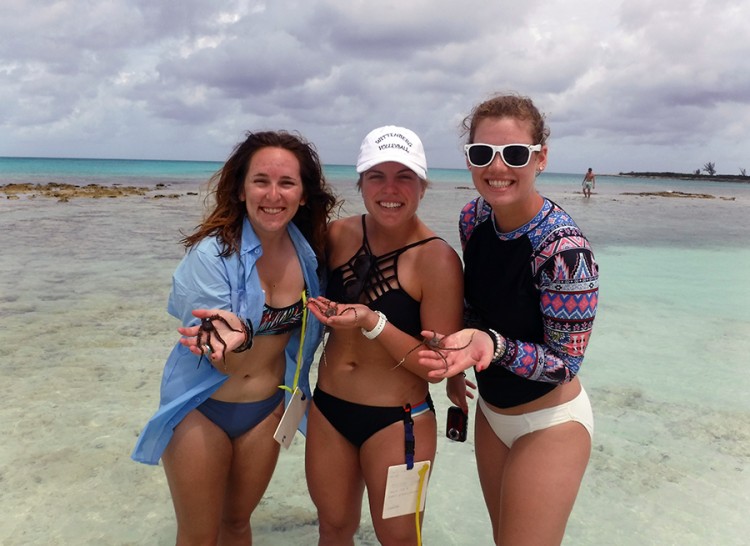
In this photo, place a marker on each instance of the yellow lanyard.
(422, 474)
(301, 345)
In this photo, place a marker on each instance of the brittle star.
(208, 327)
(332, 310)
(433, 344)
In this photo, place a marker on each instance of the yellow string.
(301, 344)
(422, 474)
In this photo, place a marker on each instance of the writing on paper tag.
(403, 487)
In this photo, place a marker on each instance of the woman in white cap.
(371, 408)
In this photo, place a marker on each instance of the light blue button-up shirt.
(204, 280)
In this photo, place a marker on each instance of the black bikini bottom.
(357, 422)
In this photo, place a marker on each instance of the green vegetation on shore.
(690, 176)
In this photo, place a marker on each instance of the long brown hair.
(225, 220)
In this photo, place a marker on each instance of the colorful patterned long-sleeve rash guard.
(537, 286)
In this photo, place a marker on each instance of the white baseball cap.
(392, 143)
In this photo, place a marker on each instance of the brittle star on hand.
(332, 310)
(210, 330)
(433, 344)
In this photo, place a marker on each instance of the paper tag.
(291, 419)
(402, 488)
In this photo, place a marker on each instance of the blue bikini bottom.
(236, 418)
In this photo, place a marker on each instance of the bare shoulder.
(344, 237)
(439, 248)
(341, 226)
(437, 256)
(344, 230)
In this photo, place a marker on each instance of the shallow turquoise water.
(83, 289)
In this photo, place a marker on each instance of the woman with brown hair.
(240, 292)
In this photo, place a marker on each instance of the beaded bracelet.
(498, 343)
(247, 327)
(379, 327)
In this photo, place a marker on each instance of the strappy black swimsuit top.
(276, 321)
(373, 280)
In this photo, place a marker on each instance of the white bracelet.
(379, 327)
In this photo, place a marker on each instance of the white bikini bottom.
(511, 427)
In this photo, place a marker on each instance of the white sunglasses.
(513, 155)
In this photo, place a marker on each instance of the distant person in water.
(589, 182)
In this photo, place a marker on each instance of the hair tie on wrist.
(247, 327)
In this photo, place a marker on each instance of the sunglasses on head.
(361, 268)
(513, 155)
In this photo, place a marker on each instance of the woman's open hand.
(219, 331)
(450, 355)
(340, 315)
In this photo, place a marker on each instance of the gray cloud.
(625, 84)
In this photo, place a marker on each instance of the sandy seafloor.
(83, 288)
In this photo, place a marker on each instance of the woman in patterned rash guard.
(531, 290)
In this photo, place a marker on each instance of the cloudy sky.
(625, 84)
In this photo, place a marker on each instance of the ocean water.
(83, 288)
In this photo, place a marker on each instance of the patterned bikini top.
(277, 321)
(373, 280)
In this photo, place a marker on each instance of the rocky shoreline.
(65, 192)
(672, 193)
